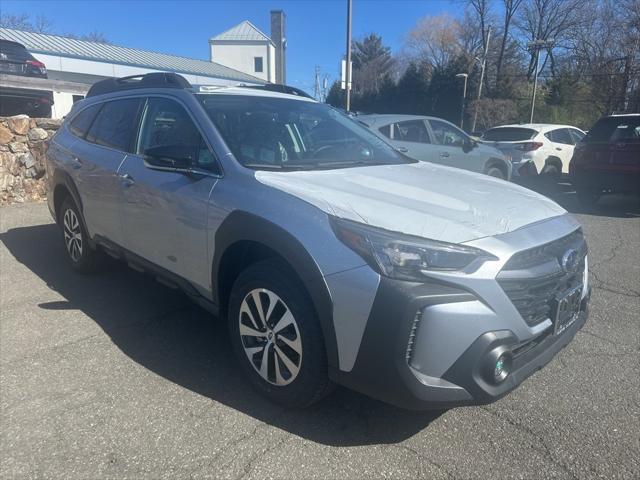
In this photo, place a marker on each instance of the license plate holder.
(567, 309)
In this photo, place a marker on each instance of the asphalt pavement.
(116, 376)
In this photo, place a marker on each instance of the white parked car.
(535, 148)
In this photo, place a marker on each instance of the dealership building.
(74, 65)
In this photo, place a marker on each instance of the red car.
(607, 160)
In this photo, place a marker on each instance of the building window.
(257, 64)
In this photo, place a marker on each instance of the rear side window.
(411, 131)
(577, 135)
(560, 135)
(115, 125)
(386, 131)
(509, 134)
(82, 122)
(614, 129)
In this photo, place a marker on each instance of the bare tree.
(435, 40)
(510, 8)
(22, 21)
(482, 10)
(550, 19)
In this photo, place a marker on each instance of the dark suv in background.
(16, 60)
(607, 160)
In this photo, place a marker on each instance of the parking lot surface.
(115, 375)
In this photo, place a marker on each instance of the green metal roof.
(103, 52)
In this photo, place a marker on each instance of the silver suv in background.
(332, 258)
(431, 139)
(535, 148)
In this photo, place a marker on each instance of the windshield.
(509, 134)
(279, 133)
(623, 129)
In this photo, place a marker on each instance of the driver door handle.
(76, 163)
(444, 154)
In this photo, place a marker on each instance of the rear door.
(449, 141)
(164, 213)
(562, 145)
(412, 138)
(97, 157)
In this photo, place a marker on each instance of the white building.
(84, 62)
(247, 49)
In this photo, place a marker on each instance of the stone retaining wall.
(23, 142)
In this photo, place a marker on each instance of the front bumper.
(389, 368)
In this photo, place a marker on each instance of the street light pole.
(536, 46)
(347, 76)
(464, 96)
(484, 64)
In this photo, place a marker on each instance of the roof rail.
(149, 80)
(278, 87)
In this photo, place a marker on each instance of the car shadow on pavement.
(560, 190)
(162, 330)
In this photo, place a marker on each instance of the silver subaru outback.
(334, 258)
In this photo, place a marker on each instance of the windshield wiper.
(293, 166)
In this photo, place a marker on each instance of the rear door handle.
(76, 163)
(444, 154)
(402, 149)
(127, 179)
(559, 149)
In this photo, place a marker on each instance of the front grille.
(533, 278)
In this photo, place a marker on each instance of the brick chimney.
(279, 40)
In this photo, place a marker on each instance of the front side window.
(446, 134)
(279, 133)
(411, 131)
(165, 123)
(257, 64)
(115, 124)
(80, 125)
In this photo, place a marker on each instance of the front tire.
(496, 173)
(276, 335)
(79, 253)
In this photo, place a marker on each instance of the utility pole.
(536, 46)
(484, 64)
(317, 93)
(347, 77)
(464, 96)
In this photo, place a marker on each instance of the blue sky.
(315, 28)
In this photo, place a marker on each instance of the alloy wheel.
(270, 337)
(72, 235)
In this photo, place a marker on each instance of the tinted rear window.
(115, 124)
(82, 122)
(14, 50)
(509, 134)
(615, 129)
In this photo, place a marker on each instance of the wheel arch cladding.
(64, 186)
(243, 238)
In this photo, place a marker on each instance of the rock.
(19, 124)
(37, 134)
(28, 161)
(48, 123)
(17, 147)
(5, 135)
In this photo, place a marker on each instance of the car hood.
(421, 199)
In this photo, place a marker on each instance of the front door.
(450, 141)
(164, 213)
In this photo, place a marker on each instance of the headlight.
(405, 257)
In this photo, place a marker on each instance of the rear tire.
(276, 335)
(79, 253)
(496, 173)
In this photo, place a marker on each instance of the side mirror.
(468, 145)
(171, 157)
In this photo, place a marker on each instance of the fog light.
(497, 365)
(501, 370)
